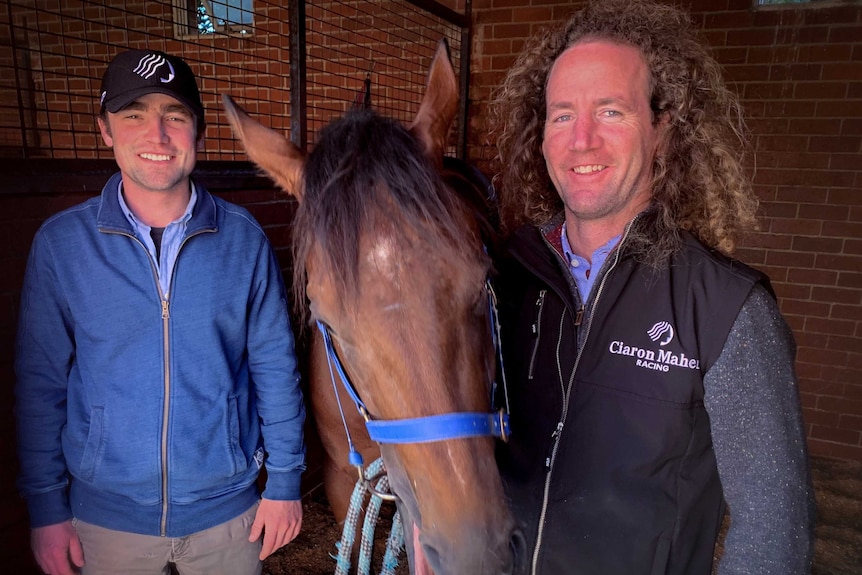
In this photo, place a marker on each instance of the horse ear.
(273, 153)
(439, 105)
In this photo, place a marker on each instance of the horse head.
(391, 259)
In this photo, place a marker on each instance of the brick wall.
(799, 74)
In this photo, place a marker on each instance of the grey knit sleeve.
(752, 399)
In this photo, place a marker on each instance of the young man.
(651, 377)
(155, 365)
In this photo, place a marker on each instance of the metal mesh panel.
(382, 48)
(54, 52)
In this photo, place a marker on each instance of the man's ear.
(105, 129)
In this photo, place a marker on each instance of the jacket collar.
(112, 219)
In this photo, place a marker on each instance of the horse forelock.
(365, 172)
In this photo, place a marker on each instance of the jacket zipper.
(558, 431)
(537, 331)
(166, 316)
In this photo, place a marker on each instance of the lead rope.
(395, 541)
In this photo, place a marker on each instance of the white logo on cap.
(150, 64)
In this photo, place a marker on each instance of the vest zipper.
(537, 331)
(558, 431)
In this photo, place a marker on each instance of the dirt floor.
(838, 547)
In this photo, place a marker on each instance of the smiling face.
(155, 143)
(599, 137)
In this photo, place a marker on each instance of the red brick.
(815, 244)
(842, 109)
(768, 126)
(812, 277)
(752, 257)
(842, 71)
(772, 54)
(776, 274)
(850, 280)
(804, 195)
(851, 126)
(853, 246)
(807, 401)
(767, 91)
(732, 55)
(840, 144)
(802, 35)
(845, 34)
(852, 422)
(807, 372)
(846, 196)
(821, 357)
(727, 20)
(796, 324)
(816, 126)
(847, 436)
(824, 53)
(851, 263)
(795, 226)
(785, 290)
(793, 160)
(830, 326)
(818, 417)
(800, 260)
(840, 405)
(769, 241)
(850, 344)
(847, 311)
(836, 450)
(836, 295)
(822, 389)
(815, 211)
(844, 161)
(780, 210)
(809, 339)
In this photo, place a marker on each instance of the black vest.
(633, 487)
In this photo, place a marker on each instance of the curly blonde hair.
(698, 180)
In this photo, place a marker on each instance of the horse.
(389, 256)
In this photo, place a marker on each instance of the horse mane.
(367, 171)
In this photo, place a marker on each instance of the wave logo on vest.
(655, 359)
(659, 330)
(150, 64)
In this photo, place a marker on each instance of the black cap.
(135, 73)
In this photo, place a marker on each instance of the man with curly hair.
(651, 376)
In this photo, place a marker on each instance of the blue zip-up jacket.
(148, 413)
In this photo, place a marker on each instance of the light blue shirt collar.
(171, 239)
(585, 271)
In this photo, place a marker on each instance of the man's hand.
(279, 521)
(57, 548)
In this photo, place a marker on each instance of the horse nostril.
(518, 545)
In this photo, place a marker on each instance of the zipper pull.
(166, 314)
(579, 315)
(558, 430)
(555, 435)
(539, 302)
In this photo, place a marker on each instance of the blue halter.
(421, 429)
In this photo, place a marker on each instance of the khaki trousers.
(220, 550)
